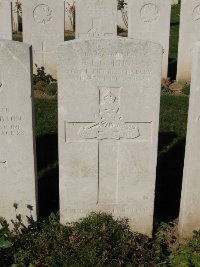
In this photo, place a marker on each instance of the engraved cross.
(108, 130)
(95, 31)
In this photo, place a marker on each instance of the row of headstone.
(96, 18)
(109, 97)
(43, 25)
(109, 91)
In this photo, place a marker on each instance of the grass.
(46, 116)
(173, 116)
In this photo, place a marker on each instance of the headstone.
(123, 16)
(43, 27)
(69, 15)
(17, 168)
(5, 20)
(174, 2)
(150, 20)
(188, 34)
(14, 16)
(109, 94)
(189, 219)
(96, 18)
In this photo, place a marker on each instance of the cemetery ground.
(99, 240)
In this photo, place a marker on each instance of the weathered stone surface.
(96, 18)
(150, 20)
(109, 94)
(5, 19)
(189, 219)
(17, 168)
(188, 34)
(43, 27)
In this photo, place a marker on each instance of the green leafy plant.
(4, 235)
(186, 89)
(187, 255)
(41, 86)
(121, 4)
(97, 240)
(42, 76)
(52, 89)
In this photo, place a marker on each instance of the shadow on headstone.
(48, 182)
(169, 181)
(172, 68)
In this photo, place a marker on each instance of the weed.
(42, 76)
(186, 89)
(52, 89)
(97, 240)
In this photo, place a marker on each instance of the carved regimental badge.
(150, 13)
(109, 124)
(3, 164)
(43, 14)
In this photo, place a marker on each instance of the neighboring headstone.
(96, 18)
(122, 20)
(150, 20)
(189, 33)
(174, 2)
(69, 15)
(14, 16)
(5, 20)
(43, 27)
(189, 219)
(109, 97)
(17, 164)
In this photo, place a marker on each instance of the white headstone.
(17, 168)
(123, 16)
(69, 18)
(109, 94)
(150, 20)
(14, 16)
(43, 27)
(189, 219)
(5, 19)
(174, 2)
(96, 18)
(189, 33)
